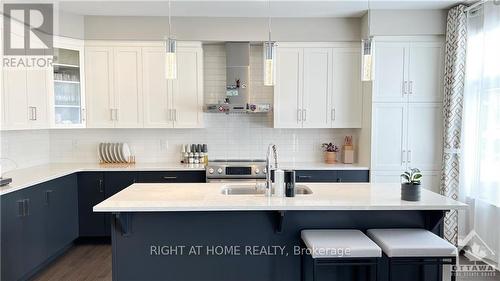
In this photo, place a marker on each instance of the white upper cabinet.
(187, 89)
(390, 75)
(156, 89)
(15, 99)
(67, 84)
(408, 71)
(37, 89)
(347, 97)
(288, 88)
(425, 74)
(389, 136)
(127, 87)
(317, 86)
(100, 92)
(425, 136)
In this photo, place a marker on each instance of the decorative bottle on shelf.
(183, 153)
(205, 152)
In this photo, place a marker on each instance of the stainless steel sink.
(253, 189)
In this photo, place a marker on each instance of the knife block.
(348, 154)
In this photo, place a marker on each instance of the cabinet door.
(13, 254)
(187, 89)
(347, 93)
(157, 104)
(61, 199)
(390, 71)
(90, 193)
(128, 87)
(37, 93)
(288, 88)
(426, 71)
(353, 176)
(15, 103)
(389, 136)
(99, 86)
(425, 136)
(34, 227)
(316, 176)
(317, 88)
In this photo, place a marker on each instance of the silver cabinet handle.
(299, 115)
(405, 86)
(117, 115)
(47, 197)
(170, 178)
(403, 154)
(36, 114)
(26, 204)
(333, 114)
(101, 187)
(84, 114)
(411, 87)
(175, 115)
(408, 157)
(111, 114)
(20, 208)
(304, 112)
(31, 113)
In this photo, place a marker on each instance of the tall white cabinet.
(407, 119)
(317, 86)
(127, 87)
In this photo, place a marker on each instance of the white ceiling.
(253, 8)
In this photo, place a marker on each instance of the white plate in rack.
(126, 152)
(120, 153)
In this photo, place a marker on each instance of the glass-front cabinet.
(68, 99)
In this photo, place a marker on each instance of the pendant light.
(269, 54)
(367, 53)
(171, 50)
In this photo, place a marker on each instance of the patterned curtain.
(454, 80)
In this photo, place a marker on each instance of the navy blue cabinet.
(331, 175)
(171, 176)
(36, 225)
(115, 182)
(90, 193)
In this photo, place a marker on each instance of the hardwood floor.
(92, 262)
(81, 263)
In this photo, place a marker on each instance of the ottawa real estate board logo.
(28, 35)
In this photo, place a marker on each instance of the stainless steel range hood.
(237, 98)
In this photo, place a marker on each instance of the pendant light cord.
(369, 20)
(269, 19)
(169, 20)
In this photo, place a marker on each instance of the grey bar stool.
(338, 248)
(417, 247)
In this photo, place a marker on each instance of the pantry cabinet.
(408, 71)
(127, 87)
(407, 118)
(318, 85)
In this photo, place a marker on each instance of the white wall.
(404, 22)
(222, 29)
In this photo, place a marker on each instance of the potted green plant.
(330, 152)
(410, 185)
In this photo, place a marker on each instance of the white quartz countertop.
(173, 197)
(22, 178)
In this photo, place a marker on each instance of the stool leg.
(389, 273)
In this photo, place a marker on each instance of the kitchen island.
(196, 232)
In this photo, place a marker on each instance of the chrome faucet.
(269, 184)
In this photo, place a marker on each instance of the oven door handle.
(235, 180)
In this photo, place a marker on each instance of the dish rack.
(117, 153)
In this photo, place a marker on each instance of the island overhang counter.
(195, 232)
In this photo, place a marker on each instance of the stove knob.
(265, 171)
(219, 170)
(210, 170)
(257, 170)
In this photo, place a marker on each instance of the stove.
(227, 170)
